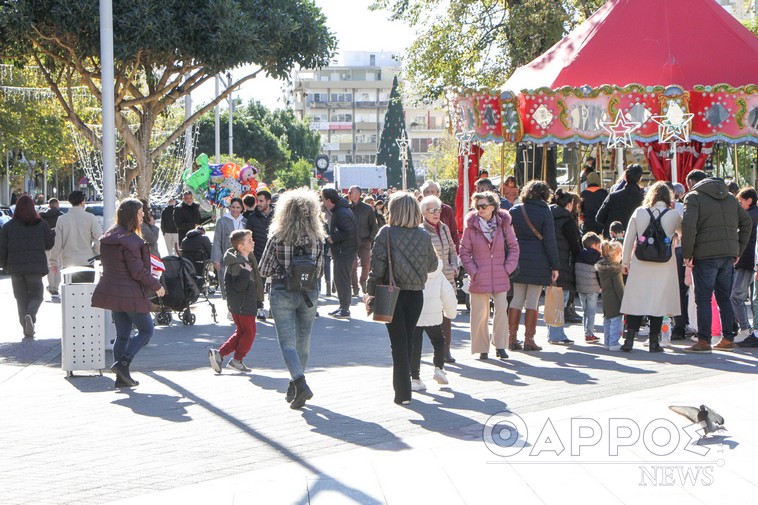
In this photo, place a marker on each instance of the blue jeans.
(556, 333)
(589, 309)
(293, 320)
(126, 346)
(713, 275)
(612, 330)
(740, 292)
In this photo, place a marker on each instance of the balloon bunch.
(218, 184)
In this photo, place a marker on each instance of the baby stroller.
(204, 268)
(183, 288)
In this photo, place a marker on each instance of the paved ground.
(188, 434)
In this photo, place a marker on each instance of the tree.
(163, 51)
(389, 151)
(299, 175)
(483, 41)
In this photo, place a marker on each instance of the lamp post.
(402, 144)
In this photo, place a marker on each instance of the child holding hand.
(612, 284)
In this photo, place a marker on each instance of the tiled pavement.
(187, 435)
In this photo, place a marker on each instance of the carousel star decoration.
(675, 125)
(620, 131)
(465, 141)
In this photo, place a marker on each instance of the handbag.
(554, 313)
(385, 295)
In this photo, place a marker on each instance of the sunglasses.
(482, 205)
(435, 210)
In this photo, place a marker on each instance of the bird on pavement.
(706, 417)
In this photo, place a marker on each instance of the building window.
(348, 158)
(372, 60)
(420, 145)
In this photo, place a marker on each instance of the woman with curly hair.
(297, 224)
(23, 242)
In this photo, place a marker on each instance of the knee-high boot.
(530, 323)
(514, 317)
(628, 340)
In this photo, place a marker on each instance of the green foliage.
(299, 175)
(483, 41)
(448, 189)
(163, 51)
(273, 138)
(389, 151)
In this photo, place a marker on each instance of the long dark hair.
(25, 211)
(127, 213)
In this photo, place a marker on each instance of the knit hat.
(593, 179)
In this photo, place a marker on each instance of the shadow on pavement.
(167, 407)
(26, 351)
(350, 429)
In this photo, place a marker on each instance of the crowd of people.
(515, 242)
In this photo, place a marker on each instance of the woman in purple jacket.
(125, 285)
(489, 253)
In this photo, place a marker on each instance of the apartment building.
(346, 102)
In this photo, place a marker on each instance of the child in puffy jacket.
(587, 282)
(439, 298)
(612, 283)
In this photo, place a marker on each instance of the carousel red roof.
(648, 42)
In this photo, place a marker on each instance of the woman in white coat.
(225, 225)
(652, 289)
(439, 299)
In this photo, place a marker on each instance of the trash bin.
(82, 343)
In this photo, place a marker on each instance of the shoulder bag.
(385, 295)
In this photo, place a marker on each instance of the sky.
(357, 29)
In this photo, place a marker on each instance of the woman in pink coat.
(489, 252)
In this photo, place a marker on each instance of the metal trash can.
(82, 343)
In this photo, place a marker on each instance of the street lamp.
(402, 144)
(465, 142)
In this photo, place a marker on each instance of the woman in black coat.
(23, 242)
(538, 261)
(569, 245)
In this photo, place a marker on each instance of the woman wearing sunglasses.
(489, 253)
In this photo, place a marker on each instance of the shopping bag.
(553, 306)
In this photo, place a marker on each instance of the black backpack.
(302, 272)
(653, 245)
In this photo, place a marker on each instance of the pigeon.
(706, 417)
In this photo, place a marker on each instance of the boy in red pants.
(243, 290)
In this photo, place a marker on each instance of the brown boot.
(514, 316)
(530, 322)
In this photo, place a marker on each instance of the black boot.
(302, 393)
(121, 369)
(655, 343)
(628, 341)
(290, 392)
(570, 315)
(121, 384)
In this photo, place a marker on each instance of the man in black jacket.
(168, 227)
(186, 215)
(365, 220)
(258, 222)
(621, 204)
(343, 244)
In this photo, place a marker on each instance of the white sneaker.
(417, 385)
(215, 358)
(440, 376)
(743, 334)
(237, 365)
(616, 347)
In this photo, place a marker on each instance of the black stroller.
(183, 288)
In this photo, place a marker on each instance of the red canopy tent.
(636, 57)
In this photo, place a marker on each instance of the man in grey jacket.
(77, 238)
(365, 221)
(715, 231)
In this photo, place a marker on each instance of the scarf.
(488, 227)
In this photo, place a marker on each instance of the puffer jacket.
(343, 230)
(259, 223)
(537, 258)
(714, 225)
(126, 280)
(612, 283)
(443, 243)
(22, 248)
(747, 258)
(243, 288)
(569, 244)
(586, 275)
(439, 298)
(413, 257)
(487, 266)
